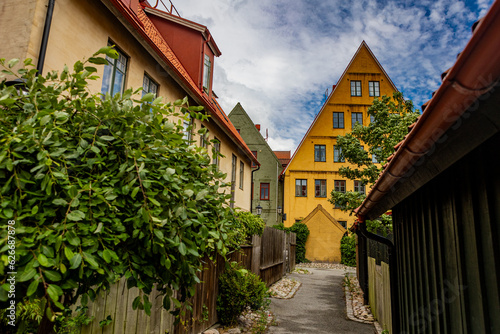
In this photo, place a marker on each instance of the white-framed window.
(207, 68)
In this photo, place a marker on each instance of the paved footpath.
(318, 307)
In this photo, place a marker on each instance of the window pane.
(264, 191)
(374, 88)
(337, 154)
(319, 153)
(338, 120)
(118, 85)
(355, 88)
(356, 117)
(300, 188)
(206, 72)
(106, 78)
(320, 188)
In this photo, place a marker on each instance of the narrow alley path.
(318, 307)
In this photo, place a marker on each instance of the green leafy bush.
(302, 232)
(348, 250)
(102, 187)
(248, 225)
(239, 289)
(381, 226)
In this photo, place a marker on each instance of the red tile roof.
(139, 20)
(283, 157)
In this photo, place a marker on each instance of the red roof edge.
(474, 73)
(150, 35)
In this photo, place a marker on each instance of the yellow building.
(159, 51)
(312, 173)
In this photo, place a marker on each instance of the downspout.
(251, 196)
(361, 230)
(45, 37)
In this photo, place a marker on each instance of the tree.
(390, 120)
(102, 187)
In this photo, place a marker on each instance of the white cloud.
(279, 56)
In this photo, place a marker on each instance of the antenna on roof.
(267, 134)
(326, 93)
(172, 7)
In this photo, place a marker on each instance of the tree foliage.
(102, 187)
(391, 118)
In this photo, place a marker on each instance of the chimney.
(257, 126)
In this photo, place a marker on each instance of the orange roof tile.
(140, 21)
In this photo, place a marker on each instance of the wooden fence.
(269, 256)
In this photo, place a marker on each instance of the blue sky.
(279, 57)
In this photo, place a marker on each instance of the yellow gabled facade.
(312, 173)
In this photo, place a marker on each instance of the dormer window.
(207, 65)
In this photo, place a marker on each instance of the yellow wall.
(323, 233)
(363, 67)
(80, 28)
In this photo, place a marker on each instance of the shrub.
(100, 187)
(302, 232)
(239, 289)
(248, 225)
(348, 250)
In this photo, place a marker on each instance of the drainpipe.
(251, 197)
(361, 230)
(45, 37)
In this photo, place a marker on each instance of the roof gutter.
(45, 37)
(475, 72)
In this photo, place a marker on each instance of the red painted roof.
(140, 21)
(283, 157)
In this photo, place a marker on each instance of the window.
(148, 85)
(320, 188)
(319, 153)
(187, 125)
(113, 79)
(339, 186)
(255, 155)
(204, 138)
(338, 120)
(356, 117)
(242, 172)
(337, 154)
(216, 153)
(300, 188)
(207, 66)
(343, 223)
(355, 88)
(264, 191)
(372, 119)
(374, 88)
(359, 187)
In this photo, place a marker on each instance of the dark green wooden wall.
(447, 237)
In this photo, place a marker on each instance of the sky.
(280, 57)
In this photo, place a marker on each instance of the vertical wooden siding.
(264, 257)
(447, 239)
